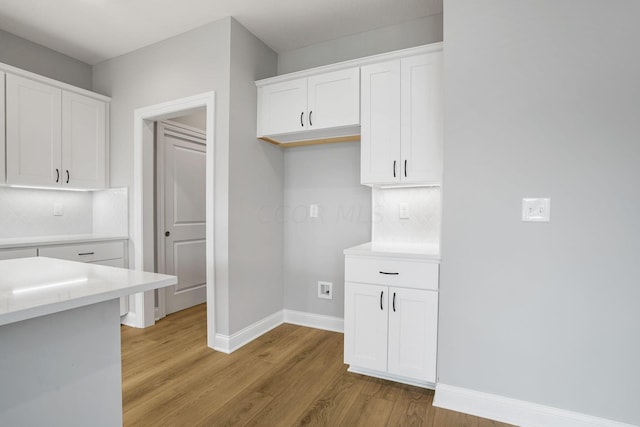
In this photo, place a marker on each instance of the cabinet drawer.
(18, 253)
(87, 252)
(392, 272)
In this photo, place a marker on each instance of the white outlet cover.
(536, 210)
(58, 209)
(313, 211)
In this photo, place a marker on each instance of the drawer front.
(86, 252)
(392, 272)
(18, 253)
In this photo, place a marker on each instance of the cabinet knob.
(394, 302)
(301, 116)
(381, 293)
(405, 168)
(57, 175)
(394, 168)
(310, 122)
(67, 176)
(167, 233)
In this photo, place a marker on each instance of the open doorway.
(143, 230)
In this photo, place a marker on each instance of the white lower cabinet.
(391, 331)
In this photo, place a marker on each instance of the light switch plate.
(536, 210)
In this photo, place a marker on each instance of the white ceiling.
(95, 30)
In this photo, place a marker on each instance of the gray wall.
(191, 63)
(542, 100)
(38, 59)
(329, 175)
(414, 33)
(256, 187)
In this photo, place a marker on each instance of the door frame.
(143, 227)
(195, 136)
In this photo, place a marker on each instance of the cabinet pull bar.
(57, 175)
(301, 116)
(67, 176)
(405, 168)
(386, 272)
(86, 253)
(381, 292)
(394, 168)
(394, 301)
(310, 122)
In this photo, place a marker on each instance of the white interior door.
(181, 215)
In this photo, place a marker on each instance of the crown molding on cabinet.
(51, 82)
(433, 47)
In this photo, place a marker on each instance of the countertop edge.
(365, 250)
(56, 307)
(29, 242)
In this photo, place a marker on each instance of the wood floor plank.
(291, 376)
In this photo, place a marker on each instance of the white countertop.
(21, 242)
(424, 252)
(33, 287)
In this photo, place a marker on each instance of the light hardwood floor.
(291, 376)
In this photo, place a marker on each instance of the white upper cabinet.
(83, 141)
(34, 137)
(334, 99)
(310, 107)
(2, 131)
(421, 119)
(54, 137)
(380, 148)
(402, 121)
(282, 107)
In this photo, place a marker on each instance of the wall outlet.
(536, 210)
(313, 211)
(403, 210)
(325, 290)
(58, 209)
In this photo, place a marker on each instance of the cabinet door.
(2, 131)
(83, 141)
(421, 121)
(334, 99)
(282, 107)
(413, 328)
(365, 325)
(33, 112)
(380, 119)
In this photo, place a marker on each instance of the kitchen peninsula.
(60, 340)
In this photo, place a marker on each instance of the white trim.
(143, 304)
(129, 319)
(359, 62)
(311, 320)
(230, 343)
(391, 377)
(513, 411)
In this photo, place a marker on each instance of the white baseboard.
(230, 343)
(311, 320)
(513, 411)
(129, 319)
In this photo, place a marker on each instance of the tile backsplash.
(29, 212)
(423, 208)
